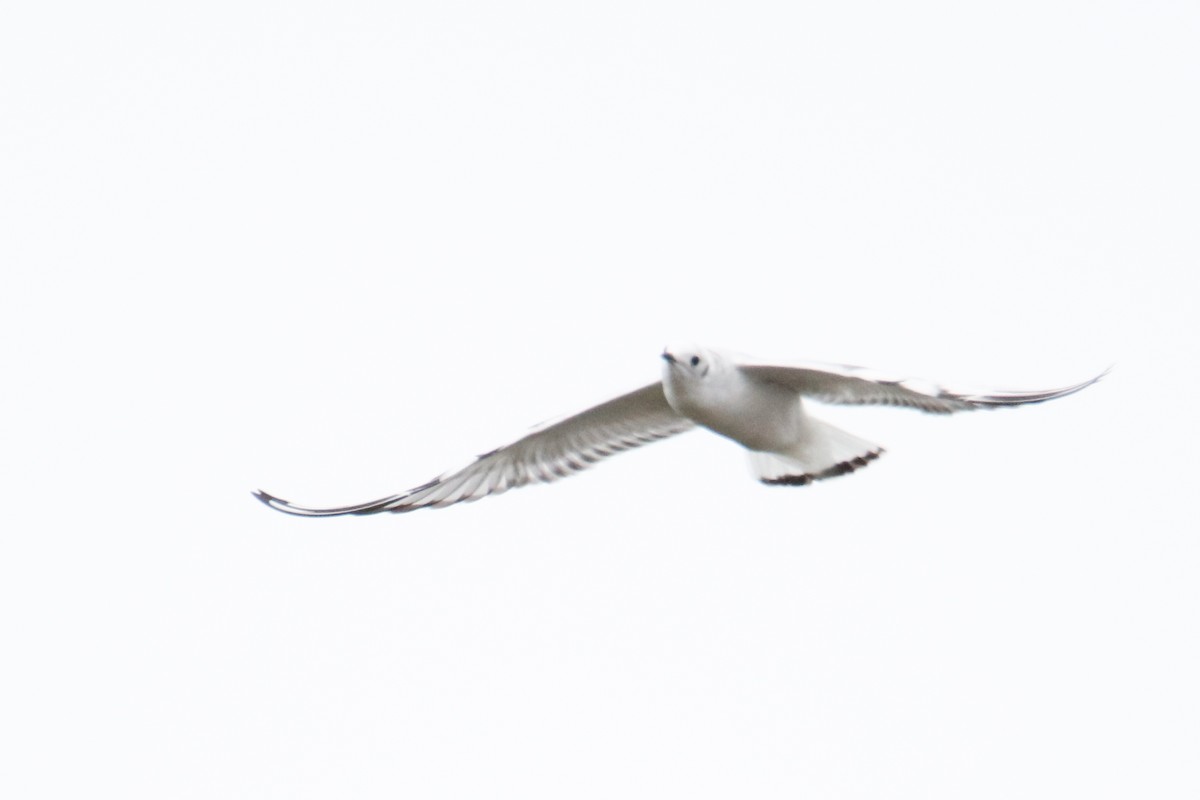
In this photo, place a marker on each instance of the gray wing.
(846, 385)
(550, 451)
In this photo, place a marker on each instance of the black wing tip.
(267, 499)
(279, 504)
(284, 506)
(1030, 398)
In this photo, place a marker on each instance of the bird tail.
(826, 452)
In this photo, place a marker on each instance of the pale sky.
(332, 249)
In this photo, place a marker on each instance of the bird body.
(759, 405)
(757, 415)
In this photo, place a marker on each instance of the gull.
(759, 405)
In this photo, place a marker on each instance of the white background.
(332, 249)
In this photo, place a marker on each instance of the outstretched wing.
(550, 451)
(836, 383)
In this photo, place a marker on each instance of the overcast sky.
(333, 249)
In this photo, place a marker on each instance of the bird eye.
(695, 360)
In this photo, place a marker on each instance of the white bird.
(758, 405)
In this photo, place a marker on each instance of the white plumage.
(757, 404)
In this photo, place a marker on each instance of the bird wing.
(550, 451)
(846, 385)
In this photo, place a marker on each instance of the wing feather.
(847, 385)
(549, 452)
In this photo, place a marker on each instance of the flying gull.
(757, 404)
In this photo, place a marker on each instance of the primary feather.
(845, 385)
(549, 452)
